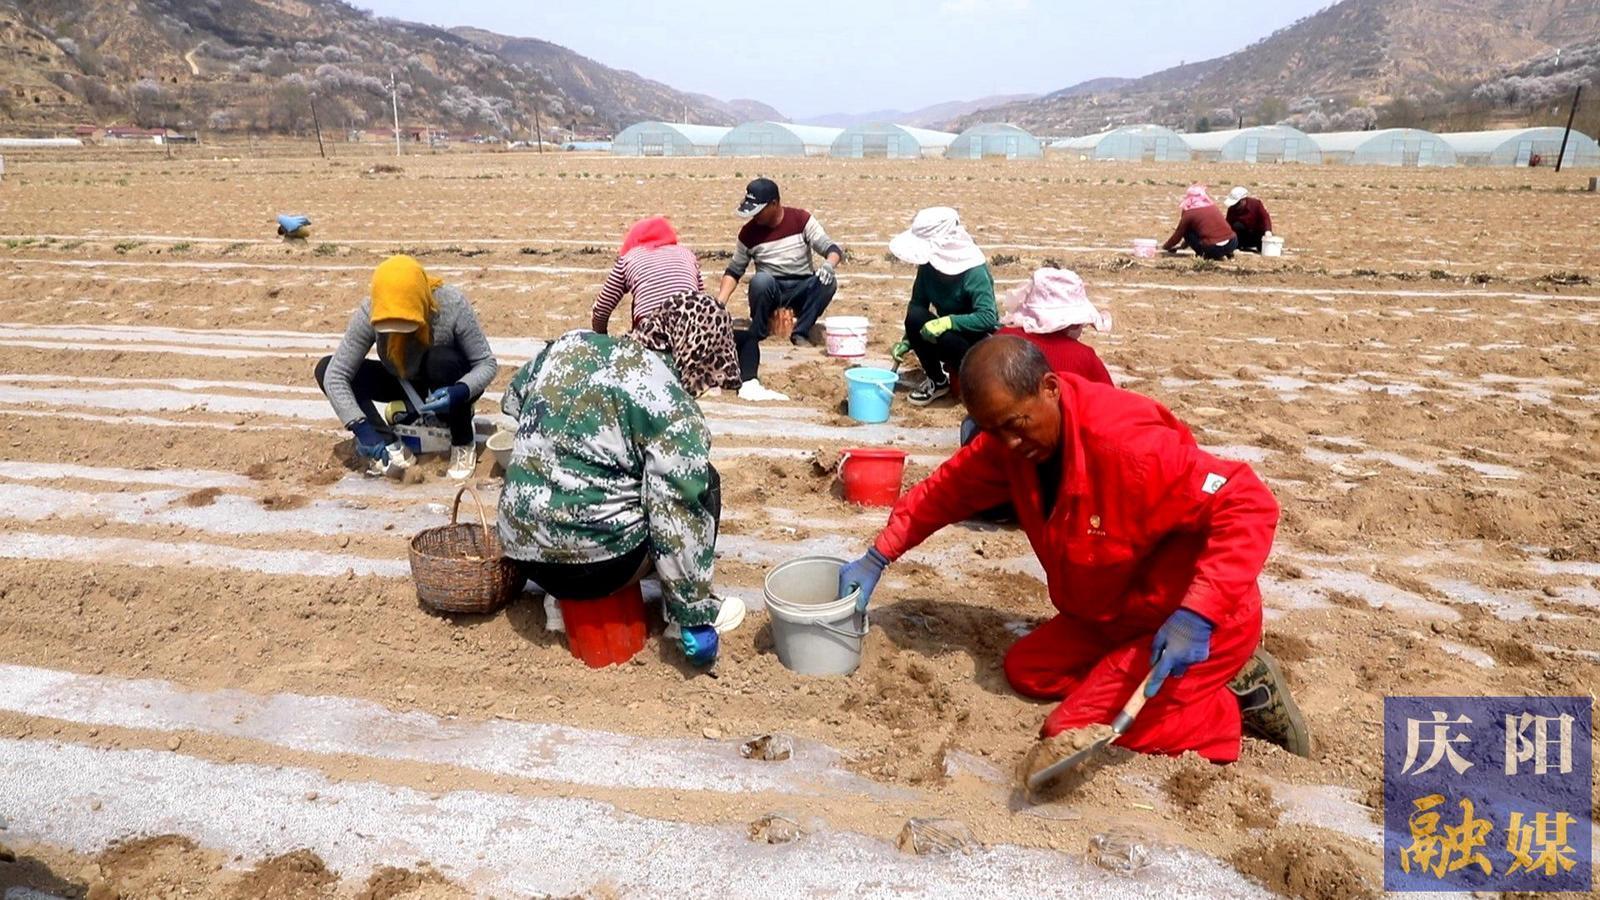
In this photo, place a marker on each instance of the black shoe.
(1269, 712)
(800, 340)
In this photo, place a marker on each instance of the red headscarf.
(649, 233)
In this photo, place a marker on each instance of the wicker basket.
(460, 568)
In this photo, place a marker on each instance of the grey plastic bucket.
(814, 630)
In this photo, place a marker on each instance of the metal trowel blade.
(1058, 768)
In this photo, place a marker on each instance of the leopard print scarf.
(698, 332)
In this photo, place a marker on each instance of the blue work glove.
(699, 644)
(1183, 640)
(446, 398)
(369, 441)
(863, 574)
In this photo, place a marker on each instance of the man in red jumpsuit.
(1151, 549)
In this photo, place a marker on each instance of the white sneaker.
(552, 615)
(755, 392)
(928, 391)
(463, 462)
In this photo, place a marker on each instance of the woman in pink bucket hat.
(1050, 310)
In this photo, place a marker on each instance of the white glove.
(825, 274)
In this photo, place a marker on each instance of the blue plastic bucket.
(871, 390)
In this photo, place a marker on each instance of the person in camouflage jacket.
(611, 464)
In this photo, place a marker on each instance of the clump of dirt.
(165, 865)
(387, 882)
(1209, 793)
(292, 875)
(261, 471)
(1287, 647)
(1052, 750)
(280, 502)
(413, 475)
(202, 497)
(1310, 864)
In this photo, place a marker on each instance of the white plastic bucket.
(499, 444)
(1272, 246)
(1144, 248)
(814, 630)
(846, 336)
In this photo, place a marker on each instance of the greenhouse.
(1263, 144)
(1149, 143)
(668, 139)
(880, 140)
(995, 140)
(778, 139)
(1386, 147)
(1520, 146)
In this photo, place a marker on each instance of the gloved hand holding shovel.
(898, 353)
(1182, 641)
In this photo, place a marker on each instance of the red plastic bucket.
(608, 630)
(872, 476)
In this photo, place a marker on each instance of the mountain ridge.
(1344, 63)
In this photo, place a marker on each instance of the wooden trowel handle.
(1130, 710)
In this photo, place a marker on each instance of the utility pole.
(394, 98)
(1571, 114)
(317, 124)
(538, 132)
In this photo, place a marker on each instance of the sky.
(809, 57)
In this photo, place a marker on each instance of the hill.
(1342, 64)
(939, 115)
(256, 64)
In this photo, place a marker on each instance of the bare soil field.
(216, 680)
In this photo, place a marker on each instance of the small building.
(132, 135)
(764, 139)
(1262, 144)
(995, 140)
(668, 139)
(1386, 147)
(1130, 143)
(1522, 147)
(884, 140)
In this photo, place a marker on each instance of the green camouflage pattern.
(610, 452)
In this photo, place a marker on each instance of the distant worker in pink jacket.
(1202, 227)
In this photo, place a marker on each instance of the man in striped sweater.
(780, 241)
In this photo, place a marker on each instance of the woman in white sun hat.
(952, 300)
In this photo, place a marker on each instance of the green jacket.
(968, 299)
(611, 452)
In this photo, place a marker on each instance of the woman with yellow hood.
(429, 345)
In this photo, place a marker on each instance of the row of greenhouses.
(879, 140)
(1384, 147)
(1151, 143)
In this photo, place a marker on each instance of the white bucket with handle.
(1272, 245)
(814, 630)
(1145, 248)
(846, 336)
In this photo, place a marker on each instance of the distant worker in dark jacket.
(1202, 227)
(1249, 219)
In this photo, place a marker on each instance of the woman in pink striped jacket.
(653, 267)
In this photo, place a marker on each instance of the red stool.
(608, 630)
